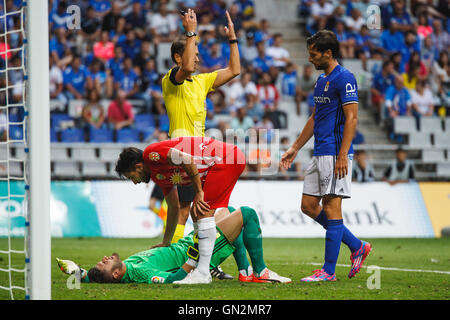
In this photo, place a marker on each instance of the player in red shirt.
(212, 167)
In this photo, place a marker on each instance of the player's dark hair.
(99, 276)
(128, 159)
(324, 40)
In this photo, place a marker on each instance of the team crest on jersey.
(326, 86)
(154, 156)
(160, 176)
(157, 279)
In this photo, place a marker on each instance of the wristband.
(233, 41)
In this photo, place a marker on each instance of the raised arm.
(189, 21)
(234, 67)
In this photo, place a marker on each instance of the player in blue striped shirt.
(328, 176)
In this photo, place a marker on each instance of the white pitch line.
(387, 268)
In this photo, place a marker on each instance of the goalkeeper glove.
(70, 267)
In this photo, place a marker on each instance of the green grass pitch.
(289, 257)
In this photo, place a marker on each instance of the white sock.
(206, 240)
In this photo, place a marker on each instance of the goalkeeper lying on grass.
(237, 233)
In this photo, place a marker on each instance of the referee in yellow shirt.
(184, 95)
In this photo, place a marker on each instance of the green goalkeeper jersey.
(162, 265)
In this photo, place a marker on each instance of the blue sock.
(352, 242)
(333, 244)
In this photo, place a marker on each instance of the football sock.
(179, 233)
(333, 244)
(252, 238)
(352, 242)
(206, 240)
(240, 254)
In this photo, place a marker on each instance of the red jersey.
(209, 155)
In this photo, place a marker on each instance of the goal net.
(19, 136)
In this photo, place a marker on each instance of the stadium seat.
(15, 169)
(53, 135)
(101, 135)
(66, 169)
(58, 153)
(83, 153)
(430, 125)
(443, 169)
(60, 120)
(433, 156)
(94, 169)
(164, 122)
(127, 135)
(447, 124)
(110, 152)
(15, 132)
(354, 65)
(442, 139)
(163, 59)
(19, 152)
(72, 135)
(417, 139)
(145, 124)
(404, 125)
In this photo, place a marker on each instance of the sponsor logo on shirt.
(160, 176)
(322, 99)
(350, 91)
(157, 279)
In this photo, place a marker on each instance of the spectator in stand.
(249, 51)
(132, 45)
(120, 112)
(115, 64)
(392, 40)
(206, 23)
(110, 20)
(154, 91)
(75, 80)
(246, 9)
(93, 114)
(58, 45)
(380, 83)
(163, 25)
(401, 170)
(99, 80)
(262, 62)
(428, 53)
(440, 68)
(242, 121)
(149, 75)
(289, 80)
(363, 42)
(320, 13)
(423, 29)
(126, 79)
(104, 49)
(440, 37)
(422, 102)
(305, 86)
(241, 92)
(117, 35)
(144, 55)
(396, 58)
(411, 46)
(136, 19)
(355, 21)
(398, 103)
(362, 170)
(401, 17)
(358, 138)
(411, 77)
(346, 41)
(263, 34)
(214, 60)
(56, 82)
(90, 25)
(101, 7)
(279, 54)
(59, 17)
(268, 94)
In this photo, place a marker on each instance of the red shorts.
(221, 179)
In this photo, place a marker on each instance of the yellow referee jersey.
(185, 103)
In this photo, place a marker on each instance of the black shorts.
(157, 193)
(186, 193)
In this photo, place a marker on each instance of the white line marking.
(387, 268)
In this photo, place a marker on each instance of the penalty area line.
(387, 268)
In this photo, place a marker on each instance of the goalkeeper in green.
(237, 233)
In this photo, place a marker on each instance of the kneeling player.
(237, 231)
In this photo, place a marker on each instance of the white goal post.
(38, 101)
